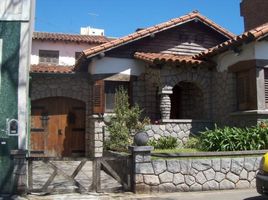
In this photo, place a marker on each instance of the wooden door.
(57, 127)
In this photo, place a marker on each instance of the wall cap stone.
(140, 148)
(210, 154)
(185, 121)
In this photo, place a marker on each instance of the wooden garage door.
(57, 127)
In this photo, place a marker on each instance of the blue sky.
(121, 17)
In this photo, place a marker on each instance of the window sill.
(250, 112)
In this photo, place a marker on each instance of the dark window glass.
(48, 57)
(110, 89)
(77, 54)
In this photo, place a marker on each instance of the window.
(48, 57)
(104, 95)
(266, 87)
(77, 54)
(246, 90)
(109, 93)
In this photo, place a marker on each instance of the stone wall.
(73, 86)
(180, 175)
(223, 97)
(200, 76)
(180, 129)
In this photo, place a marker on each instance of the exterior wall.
(261, 47)
(109, 65)
(72, 86)
(180, 129)
(229, 58)
(183, 175)
(66, 50)
(145, 92)
(16, 21)
(223, 97)
(189, 38)
(224, 86)
(252, 18)
(201, 76)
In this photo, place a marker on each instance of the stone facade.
(183, 175)
(180, 129)
(73, 86)
(223, 97)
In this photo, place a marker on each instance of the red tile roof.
(254, 34)
(70, 37)
(55, 69)
(157, 58)
(151, 30)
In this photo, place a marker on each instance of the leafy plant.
(235, 139)
(164, 143)
(193, 142)
(124, 123)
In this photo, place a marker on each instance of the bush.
(125, 122)
(164, 143)
(235, 139)
(193, 143)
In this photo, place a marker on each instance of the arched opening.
(58, 127)
(187, 101)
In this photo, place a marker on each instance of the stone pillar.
(19, 175)
(165, 102)
(96, 125)
(141, 162)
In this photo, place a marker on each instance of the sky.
(121, 17)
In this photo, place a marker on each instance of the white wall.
(261, 50)
(229, 58)
(66, 50)
(109, 65)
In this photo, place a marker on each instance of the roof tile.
(57, 69)
(251, 35)
(70, 37)
(154, 29)
(154, 58)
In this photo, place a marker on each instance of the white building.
(61, 49)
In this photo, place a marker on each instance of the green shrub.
(164, 143)
(125, 122)
(234, 139)
(193, 142)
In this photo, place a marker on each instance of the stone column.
(141, 163)
(165, 102)
(19, 175)
(96, 125)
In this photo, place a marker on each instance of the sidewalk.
(249, 194)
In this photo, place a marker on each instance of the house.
(16, 25)
(188, 73)
(149, 62)
(59, 96)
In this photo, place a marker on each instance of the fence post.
(141, 161)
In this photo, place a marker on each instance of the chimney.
(255, 13)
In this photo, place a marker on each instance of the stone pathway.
(41, 173)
